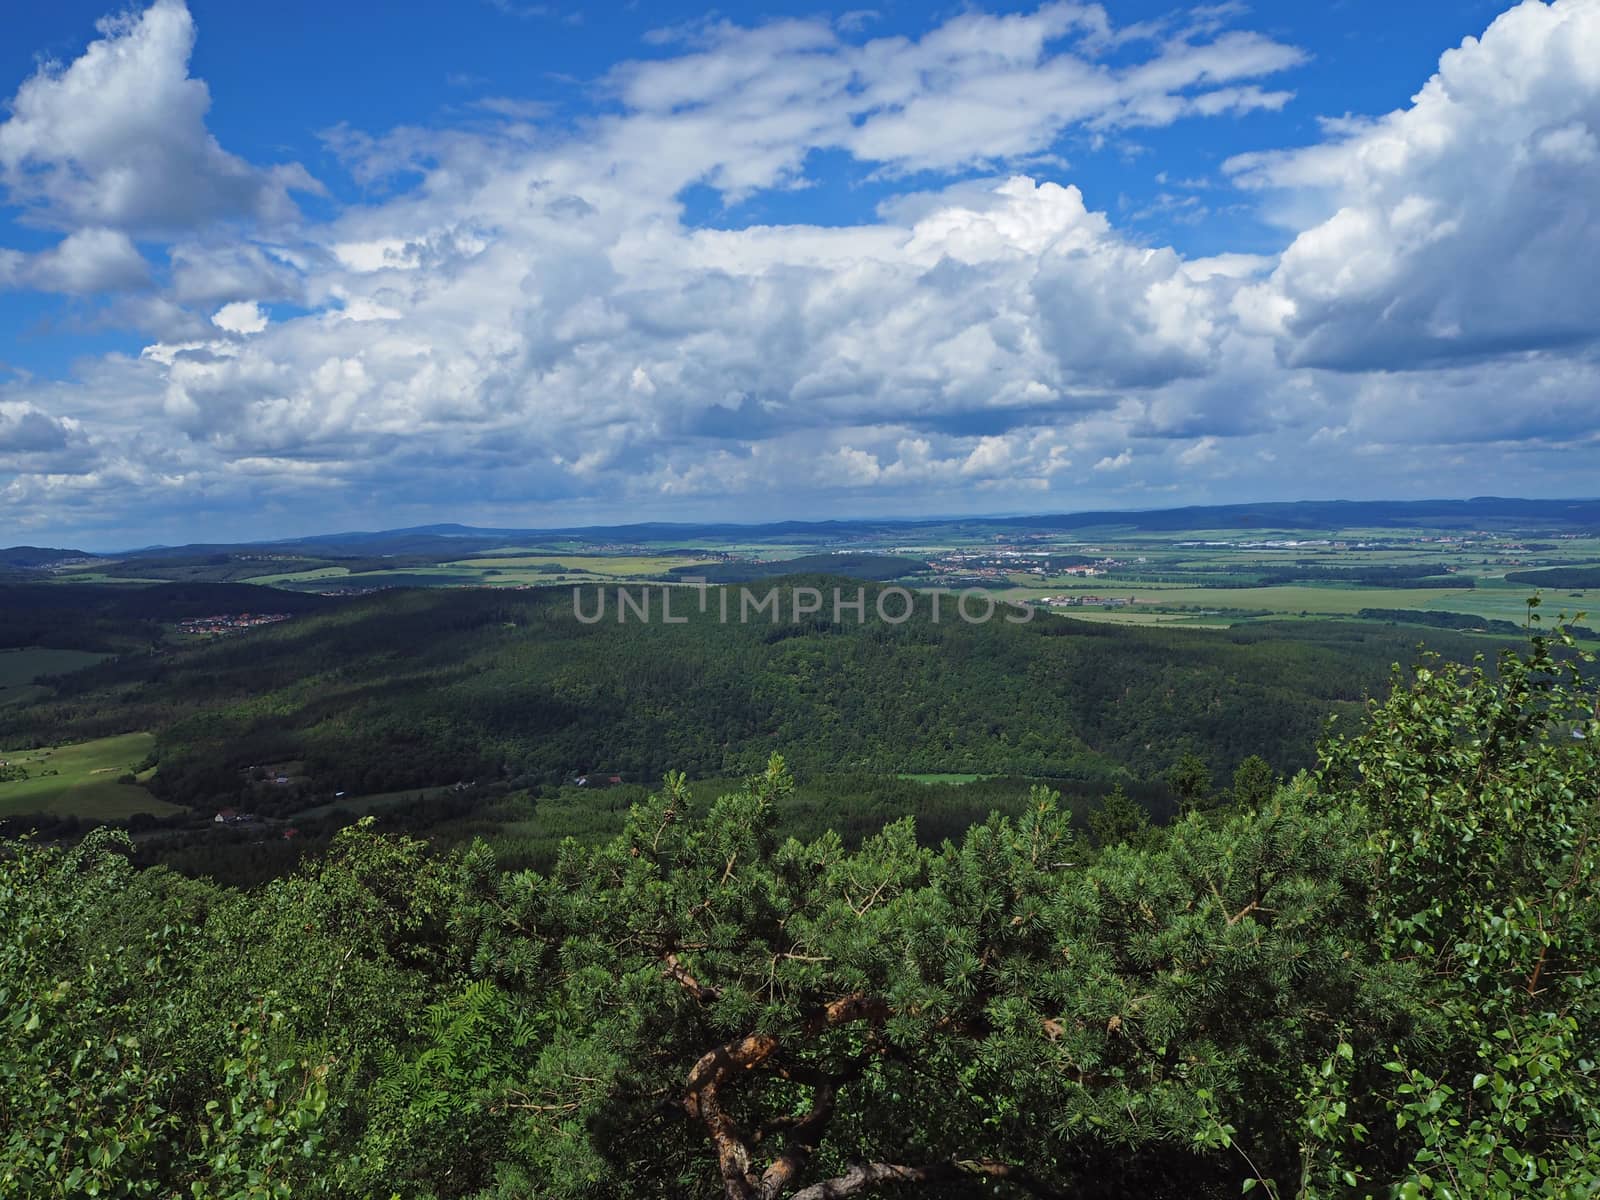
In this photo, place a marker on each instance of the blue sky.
(525, 264)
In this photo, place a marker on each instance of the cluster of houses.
(234, 818)
(1000, 565)
(229, 622)
(1077, 601)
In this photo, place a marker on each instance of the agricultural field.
(525, 569)
(1289, 600)
(316, 574)
(80, 780)
(1204, 619)
(645, 566)
(92, 576)
(1166, 572)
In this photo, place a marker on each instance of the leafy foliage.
(1484, 825)
(1374, 980)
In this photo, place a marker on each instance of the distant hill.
(1484, 512)
(115, 617)
(392, 549)
(444, 541)
(160, 601)
(35, 557)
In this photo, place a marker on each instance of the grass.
(81, 780)
(587, 564)
(1335, 601)
(938, 777)
(1125, 616)
(1509, 602)
(75, 576)
(310, 576)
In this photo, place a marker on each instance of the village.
(1087, 601)
(999, 565)
(229, 622)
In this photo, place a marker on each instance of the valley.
(459, 695)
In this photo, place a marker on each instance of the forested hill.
(411, 688)
(113, 617)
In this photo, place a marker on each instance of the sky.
(326, 267)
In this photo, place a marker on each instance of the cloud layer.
(525, 325)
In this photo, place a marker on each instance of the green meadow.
(299, 576)
(1332, 601)
(630, 566)
(81, 780)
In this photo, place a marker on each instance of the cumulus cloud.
(1460, 226)
(117, 138)
(1115, 462)
(242, 316)
(529, 324)
(85, 262)
(26, 430)
(204, 274)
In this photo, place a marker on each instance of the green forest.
(1381, 978)
(412, 689)
(464, 713)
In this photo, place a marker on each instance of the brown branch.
(1253, 906)
(846, 1010)
(761, 1052)
(807, 1131)
(865, 1176)
(802, 1144)
(667, 817)
(674, 969)
(1538, 968)
(701, 1100)
(870, 900)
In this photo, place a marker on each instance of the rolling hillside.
(410, 689)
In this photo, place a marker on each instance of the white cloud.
(743, 108)
(382, 254)
(204, 274)
(118, 138)
(526, 323)
(25, 429)
(1461, 226)
(1115, 462)
(1201, 452)
(242, 316)
(85, 262)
